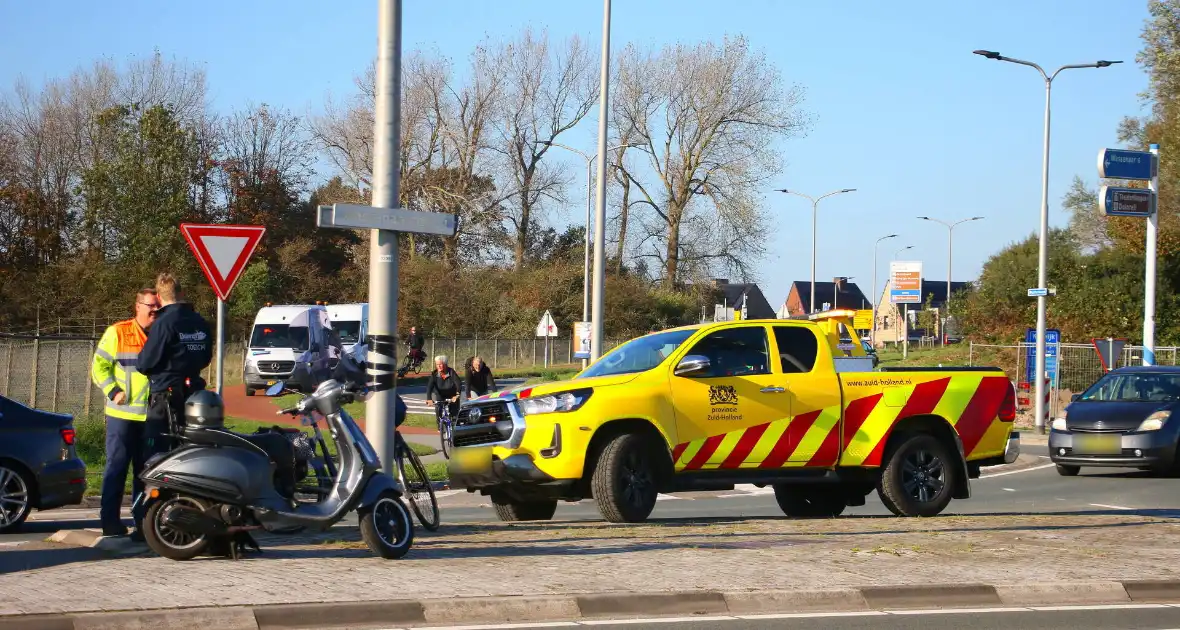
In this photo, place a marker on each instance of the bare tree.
(548, 91)
(708, 117)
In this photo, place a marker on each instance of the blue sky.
(903, 111)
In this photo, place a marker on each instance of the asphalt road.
(1037, 490)
(1148, 617)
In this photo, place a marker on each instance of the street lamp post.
(950, 228)
(905, 348)
(814, 210)
(1043, 250)
(589, 205)
(876, 296)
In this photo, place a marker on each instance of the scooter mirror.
(275, 390)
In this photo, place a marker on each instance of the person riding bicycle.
(443, 387)
(416, 342)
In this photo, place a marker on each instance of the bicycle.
(412, 362)
(416, 483)
(445, 433)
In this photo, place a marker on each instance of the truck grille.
(275, 367)
(482, 424)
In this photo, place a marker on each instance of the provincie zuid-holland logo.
(723, 403)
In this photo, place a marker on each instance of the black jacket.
(179, 345)
(481, 382)
(445, 385)
(415, 341)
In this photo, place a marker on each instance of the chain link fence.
(1078, 366)
(54, 373)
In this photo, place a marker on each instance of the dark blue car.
(39, 466)
(1123, 420)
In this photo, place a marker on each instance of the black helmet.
(204, 409)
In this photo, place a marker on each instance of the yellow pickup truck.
(778, 403)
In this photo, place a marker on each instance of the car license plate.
(1097, 444)
(269, 383)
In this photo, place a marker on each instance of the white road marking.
(1017, 472)
(1110, 507)
(669, 497)
(507, 626)
(750, 488)
(854, 613)
(952, 611)
(651, 620)
(1096, 607)
(1009, 489)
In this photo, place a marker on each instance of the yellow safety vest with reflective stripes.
(113, 370)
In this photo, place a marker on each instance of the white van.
(289, 344)
(351, 323)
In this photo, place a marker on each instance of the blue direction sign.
(1038, 292)
(1052, 340)
(1122, 164)
(1126, 202)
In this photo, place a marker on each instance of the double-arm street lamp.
(1043, 251)
(589, 206)
(950, 229)
(814, 210)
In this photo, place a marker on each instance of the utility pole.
(876, 296)
(380, 410)
(599, 303)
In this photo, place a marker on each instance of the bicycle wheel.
(444, 435)
(418, 487)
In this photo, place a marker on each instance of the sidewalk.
(562, 568)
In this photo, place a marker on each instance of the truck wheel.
(1065, 470)
(511, 511)
(799, 502)
(624, 481)
(919, 478)
(249, 391)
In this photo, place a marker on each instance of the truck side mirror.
(693, 365)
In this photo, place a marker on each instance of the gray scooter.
(208, 495)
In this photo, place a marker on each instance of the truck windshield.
(638, 355)
(279, 336)
(349, 332)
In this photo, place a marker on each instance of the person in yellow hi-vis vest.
(126, 391)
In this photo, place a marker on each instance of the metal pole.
(600, 211)
(586, 264)
(876, 298)
(814, 215)
(1153, 223)
(220, 345)
(383, 263)
(949, 245)
(1043, 271)
(905, 349)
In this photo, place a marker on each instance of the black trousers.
(165, 417)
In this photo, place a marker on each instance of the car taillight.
(1008, 407)
(67, 436)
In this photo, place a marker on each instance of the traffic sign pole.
(1153, 222)
(220, 345)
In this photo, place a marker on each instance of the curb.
(543, 608)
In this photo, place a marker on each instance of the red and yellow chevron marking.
(815, 438)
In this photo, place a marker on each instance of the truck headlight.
(1059, 424)
(1155, 421)
(553, 403)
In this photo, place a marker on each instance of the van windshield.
(280, 336)
(349, 332)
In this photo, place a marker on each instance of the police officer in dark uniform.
(172, 358)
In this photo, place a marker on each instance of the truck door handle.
(772, 390)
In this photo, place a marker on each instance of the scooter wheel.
(167, 541)
(386, 526)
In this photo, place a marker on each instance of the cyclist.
(443, 387)
(416, 342)
(479, 378)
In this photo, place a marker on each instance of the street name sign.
(222, 251)
(546, 327)
(1038, 292)
(1126, 202)
(1109, 350)
(1123, 164)
(905, 282)
(351, 216)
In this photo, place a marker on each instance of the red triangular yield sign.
(222, 251)
(1109, 351)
